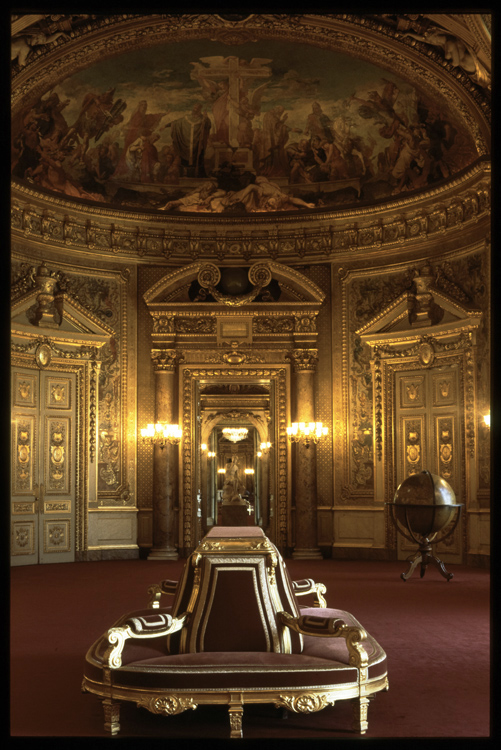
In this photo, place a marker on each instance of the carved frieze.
(449, 210)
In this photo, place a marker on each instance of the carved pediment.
(294, 284)
(424, 309)
(45, 311)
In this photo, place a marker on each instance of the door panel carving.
(428, 438)
(43, 470)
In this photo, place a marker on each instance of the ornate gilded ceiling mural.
(205, 127)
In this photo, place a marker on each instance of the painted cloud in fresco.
(206, 128)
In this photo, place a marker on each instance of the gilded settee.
(235, 635)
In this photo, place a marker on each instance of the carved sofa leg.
(111, 716)
(236, 712)
(360, 707)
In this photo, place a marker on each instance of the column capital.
(304, 359)
(165, 360)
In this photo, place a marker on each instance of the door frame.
(86, 371)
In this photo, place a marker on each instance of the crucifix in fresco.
(225, 84)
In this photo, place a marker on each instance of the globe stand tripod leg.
(441, 567)
(413, 563)
(423, 556)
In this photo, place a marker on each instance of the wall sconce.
(487, 420)
(161, 433)
(211, 454)
(264, 447)
(220, 471)
(306, 432)
(248, 471)
(203, 447)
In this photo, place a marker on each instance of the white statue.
(22, 45)
(231, 487)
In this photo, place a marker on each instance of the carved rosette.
(163, 322)
(305, 323)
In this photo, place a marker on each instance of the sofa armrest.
(150, 626)
(157, 589)
(330, 627)
(308, 586)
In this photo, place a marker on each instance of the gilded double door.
(43, 466)
(429, 437)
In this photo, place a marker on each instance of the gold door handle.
(42, 492)
(36, 490)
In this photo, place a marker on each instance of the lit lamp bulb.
(487, 419)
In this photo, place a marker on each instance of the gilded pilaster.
(164, 459)
(305, 466)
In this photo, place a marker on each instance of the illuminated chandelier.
(235, 434)
(161, 434)
(306, 432)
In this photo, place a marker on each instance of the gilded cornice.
(441, 214)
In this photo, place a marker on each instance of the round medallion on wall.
(43, 355)
(426, 354)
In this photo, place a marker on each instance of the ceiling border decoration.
(439, 213)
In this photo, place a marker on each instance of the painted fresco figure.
(273, 141)
(189, 138)
(99, 112)
(141, 123)
(168, 168)
(318, 124)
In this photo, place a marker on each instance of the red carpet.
(436, 635)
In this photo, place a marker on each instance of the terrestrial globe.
(423, 506)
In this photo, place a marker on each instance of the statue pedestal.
(234, 515)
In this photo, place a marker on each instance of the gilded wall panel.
(103, 294)
(25, 390)
(412, 392)
(413, 435)
(56, 535)
(58, 393)
(445, 449)
(364, 296)
(23, 538)
(58, 463)
(24, 460)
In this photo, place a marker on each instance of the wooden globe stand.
(424, 554)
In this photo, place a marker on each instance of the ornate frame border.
(280, 380)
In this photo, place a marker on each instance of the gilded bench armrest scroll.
(142, 628)
(330, 627)
(308, 586)
(157, 589)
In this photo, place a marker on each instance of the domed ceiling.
(242, 116)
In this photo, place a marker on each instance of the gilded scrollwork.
(306, 703)
(168, 705)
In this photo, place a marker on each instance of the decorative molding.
(441, 213)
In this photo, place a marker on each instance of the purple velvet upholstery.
(234, 604)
